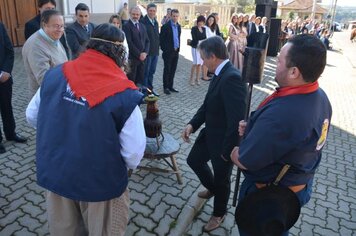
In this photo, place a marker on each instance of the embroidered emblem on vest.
(324, 134)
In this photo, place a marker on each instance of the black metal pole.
(238, 172)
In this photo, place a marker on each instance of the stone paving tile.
(156, 198)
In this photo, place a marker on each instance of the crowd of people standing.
(85, 106)
(239, 29)
(290, 28)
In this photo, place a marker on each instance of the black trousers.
(136, 73)
(170, 60)
(7, 115)
(217, 182)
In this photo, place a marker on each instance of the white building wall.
(96, 6)
(100, 10)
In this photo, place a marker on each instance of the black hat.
(268, 211)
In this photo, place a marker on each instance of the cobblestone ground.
(156, 199)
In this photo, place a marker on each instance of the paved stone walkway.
(157, 200)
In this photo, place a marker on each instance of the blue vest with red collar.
(78, 148)
(287, 130)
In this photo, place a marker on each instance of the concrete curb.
(188, 213)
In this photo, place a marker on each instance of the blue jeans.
(150, 69)
(248, 187)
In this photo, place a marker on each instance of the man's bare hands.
(242, 127)
(4, 77)
(186, 133)
(143, 56)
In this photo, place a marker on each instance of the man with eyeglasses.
(34, 24)
(43, 50)
(139, 46)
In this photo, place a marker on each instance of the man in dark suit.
(170, 44)
(251, 26)
(34, 24)
(79, 32)
(151, 24)
(6, 64)
(139, 46)
(225, 103)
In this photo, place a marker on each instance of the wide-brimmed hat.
(268, 211)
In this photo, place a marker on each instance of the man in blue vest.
(290, 126)
(89, 132)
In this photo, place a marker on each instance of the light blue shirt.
(47, 38)
(175, 35)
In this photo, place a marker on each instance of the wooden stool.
(159, 149)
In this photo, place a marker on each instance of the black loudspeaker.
(266, 8)
(274, 9)
(274, 31)
(261, 10)
(258, 40)
(254, 61)
(263, 2)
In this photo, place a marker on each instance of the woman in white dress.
(198, 33)
(210, 27)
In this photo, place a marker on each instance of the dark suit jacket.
(251, 28)
(166, 37)
(77, 37)
(6, 51)
(224, 106)
(153, 35)
(34, 24)
(136, 39)
(197, 36)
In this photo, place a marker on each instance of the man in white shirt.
(89, 132)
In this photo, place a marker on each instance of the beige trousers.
(76, 218)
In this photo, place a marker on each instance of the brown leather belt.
(295, 188)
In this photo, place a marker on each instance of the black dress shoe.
(173, 90)
(2, 149)
(18, 139)
(166, 91)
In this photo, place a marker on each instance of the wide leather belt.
(295, 188)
